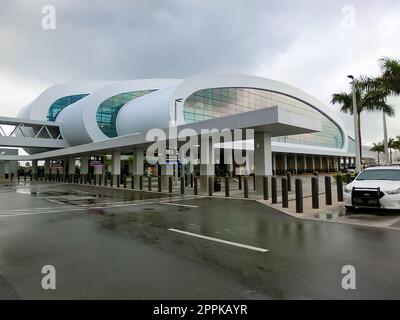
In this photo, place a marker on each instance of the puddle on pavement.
(331, 214)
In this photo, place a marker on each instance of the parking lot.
(109, 243)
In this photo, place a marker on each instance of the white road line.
(178, 204)
(219, 240)
(44, 212)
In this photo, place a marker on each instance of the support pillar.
(167, 170)
(115, 166)
(262, 159)
(285, 162)
(34, 170)
(84, 167)
(207, 169)
(137, 166)
(71, 168)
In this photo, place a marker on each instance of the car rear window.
(380, 174)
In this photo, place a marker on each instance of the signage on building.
(57, 164)
(96, 161)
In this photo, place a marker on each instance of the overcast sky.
(310, 44)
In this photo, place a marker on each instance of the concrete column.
(71, 168)
(262, 158)
(138, 163)
(327, 163)
(274, 162)
(7, 168)
(47, 167)
(34, 169)
(305, 163)
(167, 170)
(285, 162)
(84, 167)
(313, 163)
(207, 169)
(98, 171)
(115, 166)
(295, 163)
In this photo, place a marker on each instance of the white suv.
(375, 187)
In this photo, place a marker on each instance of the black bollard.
(186, 180)
(299, 195)
(132, 182)
(328, 190)
(285, 194)
(246, 187)
(159, 183)
(254, 182)
(118, 181)
(191, 180)
(289, 181)
(315, 192)
(226, 186)
(105, 180)
(170, 184)
(195, 186)
(210, 186)
(149, 183)
(339, 185)
(140, 182)
(274, 190)
(183, 185)
(265, 188)
(240, 182)
(124, 181)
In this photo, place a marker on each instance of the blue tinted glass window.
(218, 102)
(61, 103)
(107, 111)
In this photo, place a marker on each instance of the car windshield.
(380, 174)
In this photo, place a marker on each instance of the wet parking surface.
(122, 244)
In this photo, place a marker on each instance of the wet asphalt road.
(116, 244)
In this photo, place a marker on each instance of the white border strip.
(219, 240)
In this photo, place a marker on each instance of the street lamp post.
(176, 176)
(356, 132)
(385, 141)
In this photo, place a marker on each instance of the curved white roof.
(38, 109)
(156, 109)
(78, 120)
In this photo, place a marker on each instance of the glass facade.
(61, 103)
(108, 110)
(218, 102)
(352, 146)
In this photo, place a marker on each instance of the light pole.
(356, 131)
(176, 150)
(385, 140)
(176, 111)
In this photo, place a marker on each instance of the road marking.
(44, 212)
(178, 204)
(219, 240)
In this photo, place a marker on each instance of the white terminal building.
(71, 122)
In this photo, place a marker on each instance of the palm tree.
(388, 83)
(367, 100)
(379, 148)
